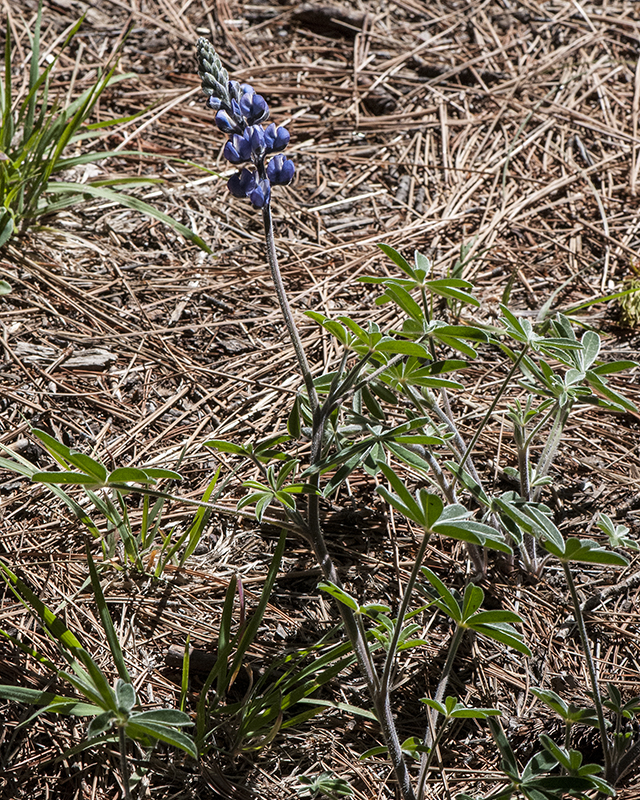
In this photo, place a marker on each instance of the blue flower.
(238, 149)
(242, 185)
(280, 170)
(261, 195)
(276, 138)
(254, 107)
(226, 123)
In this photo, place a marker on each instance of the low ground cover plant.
(387, 410)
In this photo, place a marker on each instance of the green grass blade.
(107, 622)
(129, 202)
(184, 684)
(6, 134)
(34, 71)
(251, 630)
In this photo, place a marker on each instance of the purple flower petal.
(242, 184)
(225, 122)
(261, 195)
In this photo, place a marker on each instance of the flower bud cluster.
(239, 113)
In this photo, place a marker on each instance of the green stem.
(428, 757)
(406, 598)
(593, 678)
(124, 764)
(491, 408)
(425, 762)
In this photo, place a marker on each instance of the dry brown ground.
(509, 125)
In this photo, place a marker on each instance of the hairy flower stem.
(286, 309)
(593, 678)
(353, 628)
(124, 764)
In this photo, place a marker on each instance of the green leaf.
(475, 713)
(142, 730)
(128, 201)
(158, 472)
(446, 596)
(339, 594)
(397, 259)
(294, 422)
(472, 600)
(502, 632)
(453, 288)
(125, 696)
(496, 615)
(503, 746)
(590, 552)
(388, 345)
(5, 234)
(225, 447)
(403, 299)
(55, 447)
(52, 702)
(105, 617)
(67, 478)
(164, 716)
(103, 722)
(130, 474)
(374, 751)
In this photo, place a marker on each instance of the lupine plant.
(386, 408)
(386, 405)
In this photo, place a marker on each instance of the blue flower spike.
(239, 113)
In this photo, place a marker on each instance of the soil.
(508, 127)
